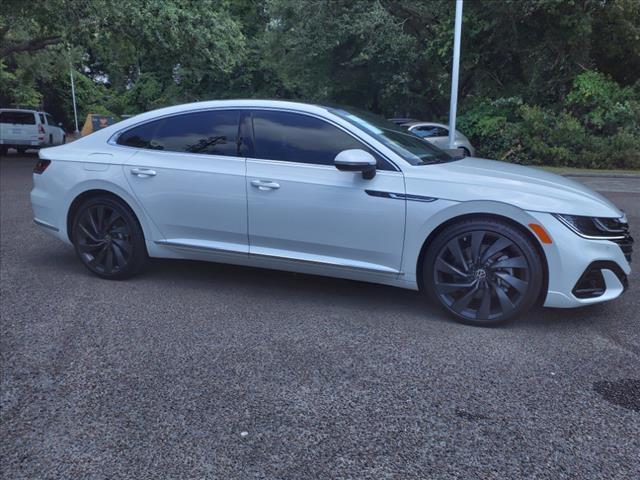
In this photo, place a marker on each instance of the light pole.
(454, 74)
(73, 97)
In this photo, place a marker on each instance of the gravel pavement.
(198, 371)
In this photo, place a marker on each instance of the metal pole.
(73, 96)
(454, 74)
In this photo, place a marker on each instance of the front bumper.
(574, 263)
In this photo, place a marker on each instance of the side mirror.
(356, 160)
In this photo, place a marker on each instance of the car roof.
(424, 124)
(19, 110)
(23, 110)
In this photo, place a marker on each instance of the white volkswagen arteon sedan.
(330, 191)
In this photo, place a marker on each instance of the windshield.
(409, 146)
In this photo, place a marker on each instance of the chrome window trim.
(309, 165)
(113, 139)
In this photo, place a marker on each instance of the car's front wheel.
(483, 271)
(108, 238)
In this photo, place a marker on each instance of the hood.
(524, 187)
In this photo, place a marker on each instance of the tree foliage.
(542, 81)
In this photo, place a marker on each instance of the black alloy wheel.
(108, 238)
(484, 272)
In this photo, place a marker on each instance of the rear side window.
(41, 118)
(50, 119)
(210, 132)
(293, 137)
(18, 118)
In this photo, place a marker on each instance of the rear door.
(18, 127)
(189, 179)
(302, 208)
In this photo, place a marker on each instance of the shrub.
(596, 126)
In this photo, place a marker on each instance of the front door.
(189, 179)
(301, 207)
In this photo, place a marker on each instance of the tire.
(483, 271)
(64, 139)
(465, 152)
(108, 238)
(21, 150)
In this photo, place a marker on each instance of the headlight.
(596, 227)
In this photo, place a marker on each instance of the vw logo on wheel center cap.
(480, 273)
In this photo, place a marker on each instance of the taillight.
(40, 128)
(41, 166)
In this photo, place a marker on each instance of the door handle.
(265, 184)
(143, 172)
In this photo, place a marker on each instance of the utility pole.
(73, 96)
(454, 74)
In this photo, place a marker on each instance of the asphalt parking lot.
(197, 370)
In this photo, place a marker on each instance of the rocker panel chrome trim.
(183, 246)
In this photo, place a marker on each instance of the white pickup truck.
(25, 129)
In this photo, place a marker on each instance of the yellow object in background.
(96, 122)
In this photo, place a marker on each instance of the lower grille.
(591, 283)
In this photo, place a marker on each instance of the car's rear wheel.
(483, 271)
(465, 151)
(108, 238)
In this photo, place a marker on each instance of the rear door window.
(18, 118)
(213, 132)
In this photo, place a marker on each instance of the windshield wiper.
(443, 158)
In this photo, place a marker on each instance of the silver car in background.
(438, 134)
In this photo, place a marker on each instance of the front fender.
(424, 218)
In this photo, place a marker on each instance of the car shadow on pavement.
(283, 284)
(267, 285)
